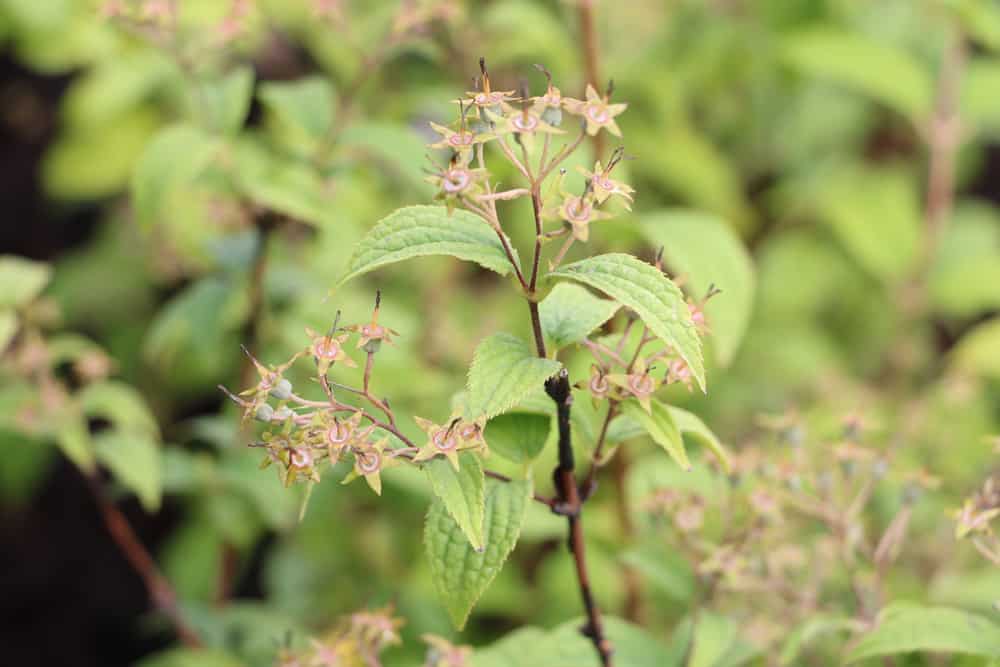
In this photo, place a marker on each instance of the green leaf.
(877, 69)
(976, 352)
(190, 657)
(134, 459)
(226, 101)
(74, 441)
(171, 160)
(565, 646)
(570, 312)
(460, 573)
(8, 327)
(661, 427)
(503, 372)
(966, 269)
(812, 629)
(22, 279)
(417, 231)
(307, 104)
(690, 424)
(875, 213)
(705, 250)
(653, 296)
(904, 627)
(120, 404)
(714, 635)
(518, 436)
(284, 185)
(461, 492)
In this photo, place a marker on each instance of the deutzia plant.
(642, 333)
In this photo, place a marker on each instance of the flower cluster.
(524, 130)
(974, 520)
(302, 435)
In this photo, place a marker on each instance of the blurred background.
(179, 177)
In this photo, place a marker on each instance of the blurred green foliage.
(800, 130)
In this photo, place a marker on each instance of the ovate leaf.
(417, 231)
(706, 251)
(653, 296)
(714, 636)
(306, 104)
(22, 280)
(518, 436)
(905, 627)
(811, 630)
(661, 428)
(570, 312)
(461, 492)
(460, 573)
(504, 370)
(173, 158)
(134, 459)
(691, 425)
(120, 404)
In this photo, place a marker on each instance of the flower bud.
(284, 412)
(264, 412)
(282, 390)
(553, 116)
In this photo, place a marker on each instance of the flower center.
(578, 210)
(599, 384)
(524, 122)
(301, 458)
(641, 385)
(338, 434)
(461, 139)
(368, 462)
(326, 348)
(469, 431)
(456, 180)
(444, 441)
(598, 113)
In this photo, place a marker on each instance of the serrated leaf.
(460, 573)
(172, 159)
(706, 251)
(418, 231)
(570, 312)
(120, 404)
(518, 436)
(904, 627)
(884, 72)
(504, 370)
(661, 428)
(690, 424)
(134, 459)
(307, 103)
(22, 279)
(654, 297)
(461, 492)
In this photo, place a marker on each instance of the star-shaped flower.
(328, 350)
(603, 186)
(449, 439)
(638, 384)
(597, 111)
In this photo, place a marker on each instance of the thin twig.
(161, 593)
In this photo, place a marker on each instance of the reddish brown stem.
(591, 57)
(569, 504)
(161, 594)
